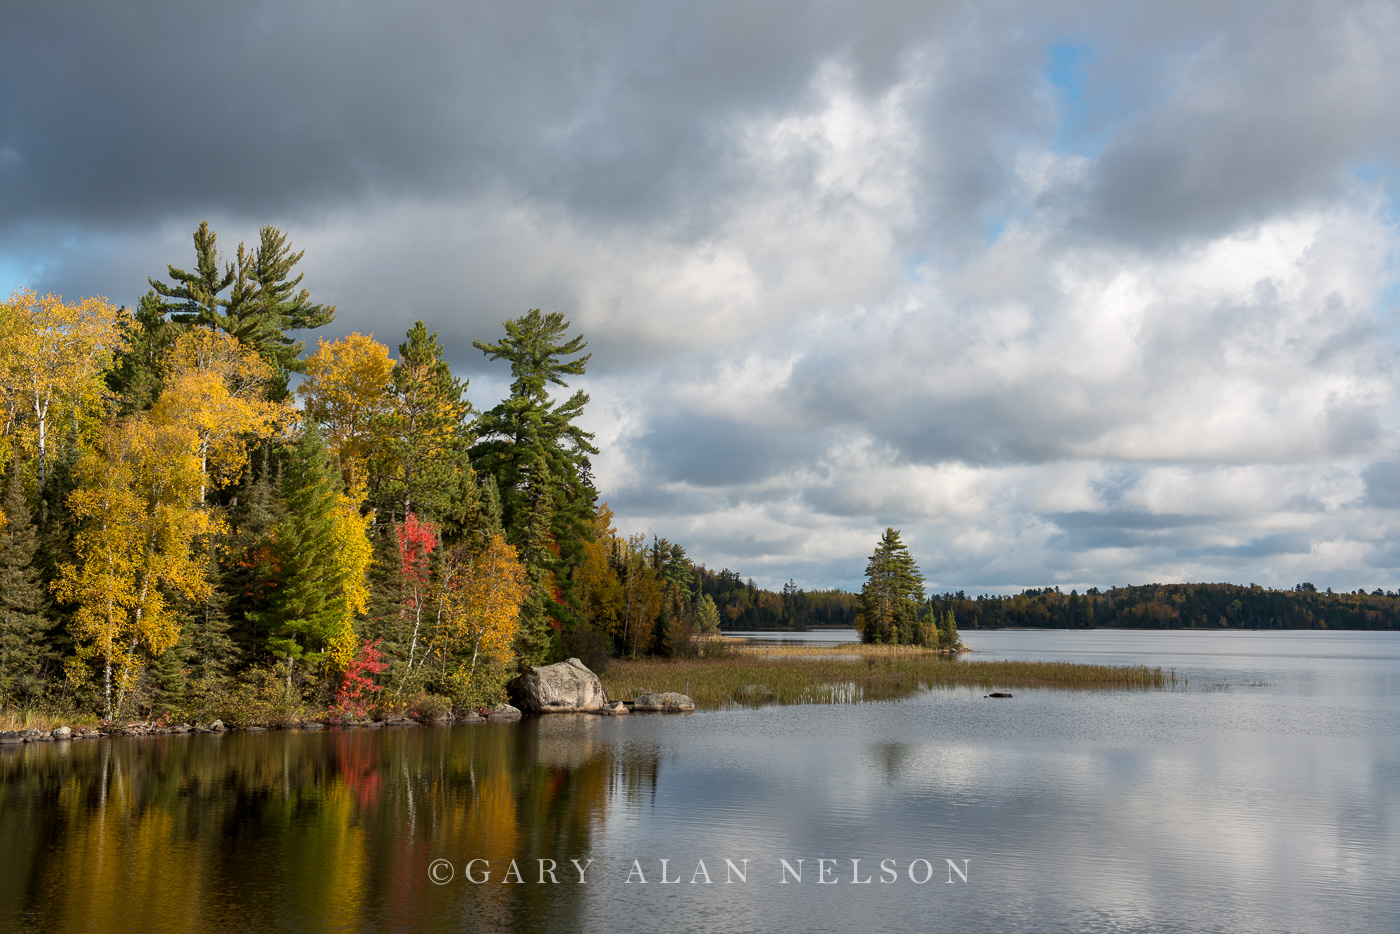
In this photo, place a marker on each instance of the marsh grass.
(855, 673)
(25, 719)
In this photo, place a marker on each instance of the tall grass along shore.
(854, 673)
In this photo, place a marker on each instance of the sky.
(1073, 294)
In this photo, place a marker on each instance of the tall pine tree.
(301, 614)
(893, 592)
(538, 456)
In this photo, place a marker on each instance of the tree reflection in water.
(307, 831)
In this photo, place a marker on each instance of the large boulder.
(565, 687)
(669, 702)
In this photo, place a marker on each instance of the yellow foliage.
(52, 357)
(215, 387)
(597, 585)
(353, 558)
(482, 608)
(347, 390)
(138, 514)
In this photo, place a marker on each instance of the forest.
(203, 516)
(1175, 606)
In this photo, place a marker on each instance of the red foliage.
(416, 543)
(357, 686)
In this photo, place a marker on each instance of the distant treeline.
(743, 605)
(1174, 606)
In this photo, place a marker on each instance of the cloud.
(1071, 293)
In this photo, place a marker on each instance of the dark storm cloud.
(140, 110)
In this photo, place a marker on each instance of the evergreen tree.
(262, 305)
(893, 592)
(25, 652)
(948, 632)
(248, 576)
(424, 467)
(266, 304)
(301, 613)
(138, 372)
(537, 455)
(193, 298)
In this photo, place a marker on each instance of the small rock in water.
(998, 694)
(62, 732)
(667, 702)
(217, 726)
(10, 737)
(503, 712)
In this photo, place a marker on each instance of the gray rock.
(615, 709)
(62, 732)
(180, 728)
(564, 687)
(371, 724)
(470, 718)
(669, 702)
(10, 737)
(217, 726)
(255, 729)
(313, 725)
(503, 712)
(31, 735)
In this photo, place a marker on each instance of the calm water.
(1264, 796)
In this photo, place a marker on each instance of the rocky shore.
(565, 687)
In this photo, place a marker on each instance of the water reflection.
(1255, 809)
(327, 831)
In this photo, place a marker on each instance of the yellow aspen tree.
(216, 387)
(596, 583)
(348, 391)
(482, 609)
(52, 357)
(139, 516)
(353, 556)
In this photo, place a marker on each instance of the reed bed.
(855, 673)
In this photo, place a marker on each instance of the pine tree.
(423, 467)
(193, 298)
(249, 571)
(25, 652)
(538, 457)
(893, 591)
(138, 372)
(301, 613)
(262, 305)
(270, 305)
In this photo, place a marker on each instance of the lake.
(1264, 795)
